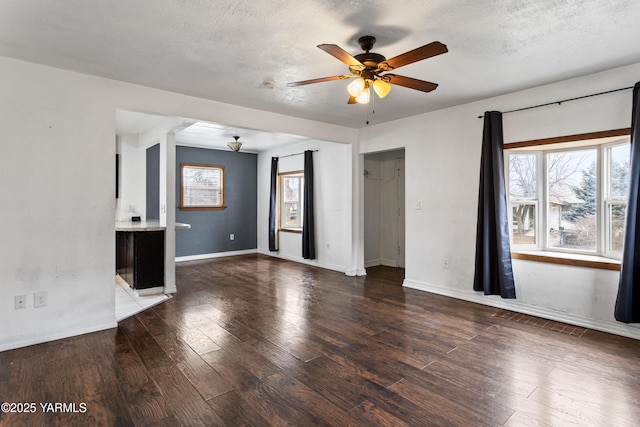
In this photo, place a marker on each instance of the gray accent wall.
(153, 182)
(210, 229)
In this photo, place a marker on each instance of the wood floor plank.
(371, 415)
(234, 411)
(579, 399)
(106, 390)
(345, 385)
(300, 395)
(26, 384)
(181, 398)
(529, 412)
(252, 340)
(420, 387)
(204, 378)
(145, 401)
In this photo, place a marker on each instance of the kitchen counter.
(140, 254)
(146, 226)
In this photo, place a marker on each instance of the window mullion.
(543, 199)
(601, 194)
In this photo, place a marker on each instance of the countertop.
(146, 226)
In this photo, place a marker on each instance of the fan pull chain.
(373, 108)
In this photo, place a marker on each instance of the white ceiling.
(194, 133)
(226, 49)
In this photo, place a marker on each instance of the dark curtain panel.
(273, 206)
(493, 274)
(628, 300)
(308, 220)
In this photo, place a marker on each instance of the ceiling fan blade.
(415, 55)
(352, 100)
(409, 82)
(341, 54)
(320, 80)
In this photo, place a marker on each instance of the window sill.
(590, 261)
(291, 230)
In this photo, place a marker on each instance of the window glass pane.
(619, 167)
(522, 176)
(571, 186)
(616, 226)
(290, 215)
(291, 189)
(524, 224)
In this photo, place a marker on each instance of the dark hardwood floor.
(256, 341)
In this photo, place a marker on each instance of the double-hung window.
(291, 190)
(569, 196)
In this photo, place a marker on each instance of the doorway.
(384, 209)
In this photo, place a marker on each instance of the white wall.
(58, 195)
(57, 170)
(132, 199)
(442, 169)
(332, 202)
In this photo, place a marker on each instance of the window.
(202, 187)
(569, 196)
(291, 188)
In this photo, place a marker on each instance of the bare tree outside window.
(523, 192)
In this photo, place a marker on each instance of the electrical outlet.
(21, 302)
(40, 299)
(232, 236)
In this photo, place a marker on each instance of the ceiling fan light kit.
(235, 145)
(381, 88)
(356, 87)
(368, 67)
(363, 97)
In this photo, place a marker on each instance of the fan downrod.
(366, 43)
(369, 59)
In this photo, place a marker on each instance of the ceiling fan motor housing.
(369, 59)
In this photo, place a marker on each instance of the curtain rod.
(564, 100)
(295, 154)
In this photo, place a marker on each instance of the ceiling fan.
(369, 66)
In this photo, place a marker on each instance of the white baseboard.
(381, 261)
(356, 272)
(215, 255)
(301, 260)
(611, 327)
(389, 262)
(56, 335)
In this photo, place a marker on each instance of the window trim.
(219, 206)
(602, 258)
(568, 138)
(299, 173)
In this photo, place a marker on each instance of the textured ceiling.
(225, 49)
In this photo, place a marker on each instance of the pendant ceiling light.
(235, 145)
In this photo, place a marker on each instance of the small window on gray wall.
(201, 187)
